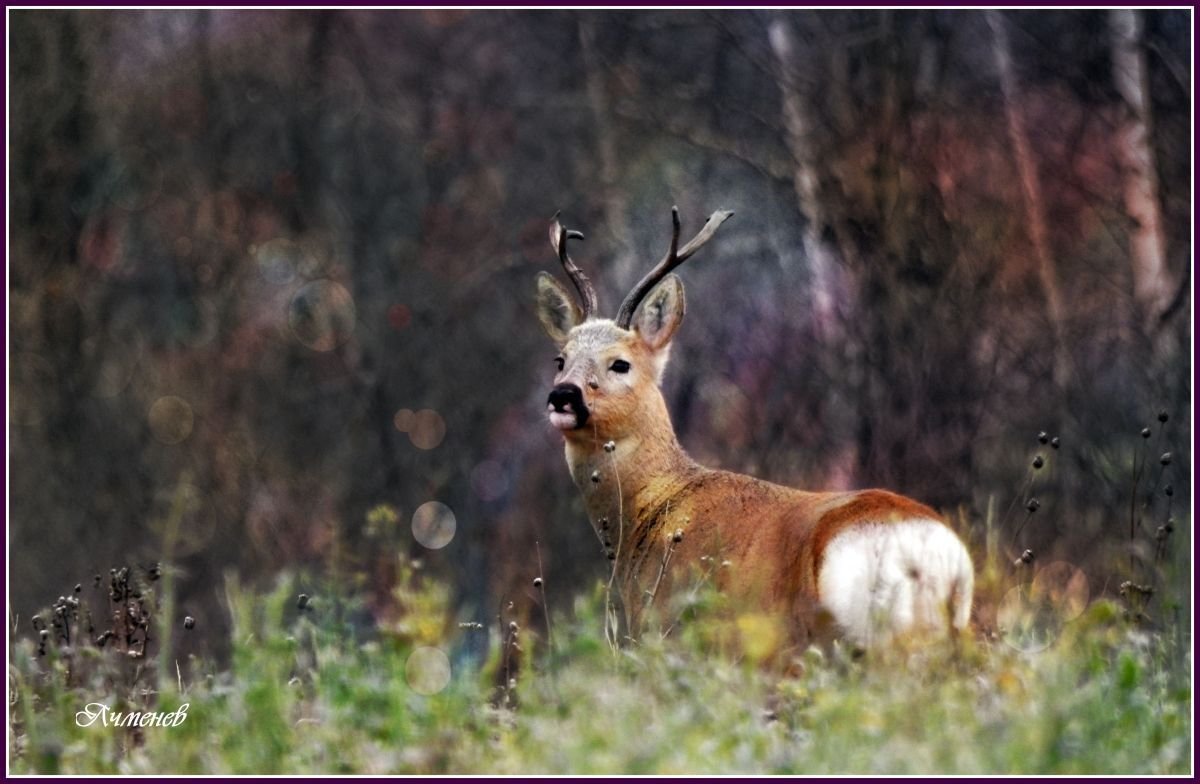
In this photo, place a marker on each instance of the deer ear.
(556, 308)
(661, 313)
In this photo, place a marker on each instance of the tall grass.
(307, 691)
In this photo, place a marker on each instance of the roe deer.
(866, 566)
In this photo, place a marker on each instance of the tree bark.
(1147, 243)
(616, 214)
(798, 124)
(1035, 213)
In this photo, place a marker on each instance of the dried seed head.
(603, 523)
(537, 582)
(611, 555)
(154, 572)
(302, 601)
(512, 627)
(1145, 432)
(610, 446)
(78, 587)
(1163, 416)
(595, 477)
(1038, 462)
(1026, 557)
(1043, 437)
(677, 537)
(44, 633)
(1033, 504)
(1165, 459)
(1054, 442)
(189, 623)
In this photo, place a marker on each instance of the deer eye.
(619, 366)
(559, 362)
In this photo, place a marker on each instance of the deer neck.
(623, 477)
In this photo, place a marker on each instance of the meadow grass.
(308, 691)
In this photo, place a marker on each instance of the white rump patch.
(879, 580)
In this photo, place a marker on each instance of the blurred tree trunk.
(836, 350)
(306, 127)
(612, 197)
(799, 125)
(1147, 243)
(1035, 213)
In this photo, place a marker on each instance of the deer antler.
(675, 256)
(559, 235)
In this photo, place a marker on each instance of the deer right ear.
(556, 308)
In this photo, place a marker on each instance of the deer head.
(609, 371)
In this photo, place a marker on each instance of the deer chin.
(563, 420)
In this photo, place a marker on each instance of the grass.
(308, 691)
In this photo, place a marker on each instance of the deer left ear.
(661, 313)
(556, 309)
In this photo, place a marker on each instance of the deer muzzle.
(566, 407)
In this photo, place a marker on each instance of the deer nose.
(567, 397)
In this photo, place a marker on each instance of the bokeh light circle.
(171, 419)
(1023, 623)
(321, 315)
(434, 525)
(403, 419)
(113, 373)
(1031, 617)
(427, 670)
(282, 260)
(427, 429)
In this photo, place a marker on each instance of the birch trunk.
(1147, 246)
(798, 124)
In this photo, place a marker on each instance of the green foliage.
(308, 692)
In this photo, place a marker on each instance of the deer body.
(865, 565)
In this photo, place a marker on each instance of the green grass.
(307, 692)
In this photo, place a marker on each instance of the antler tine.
(675, 256)
(559, 235)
